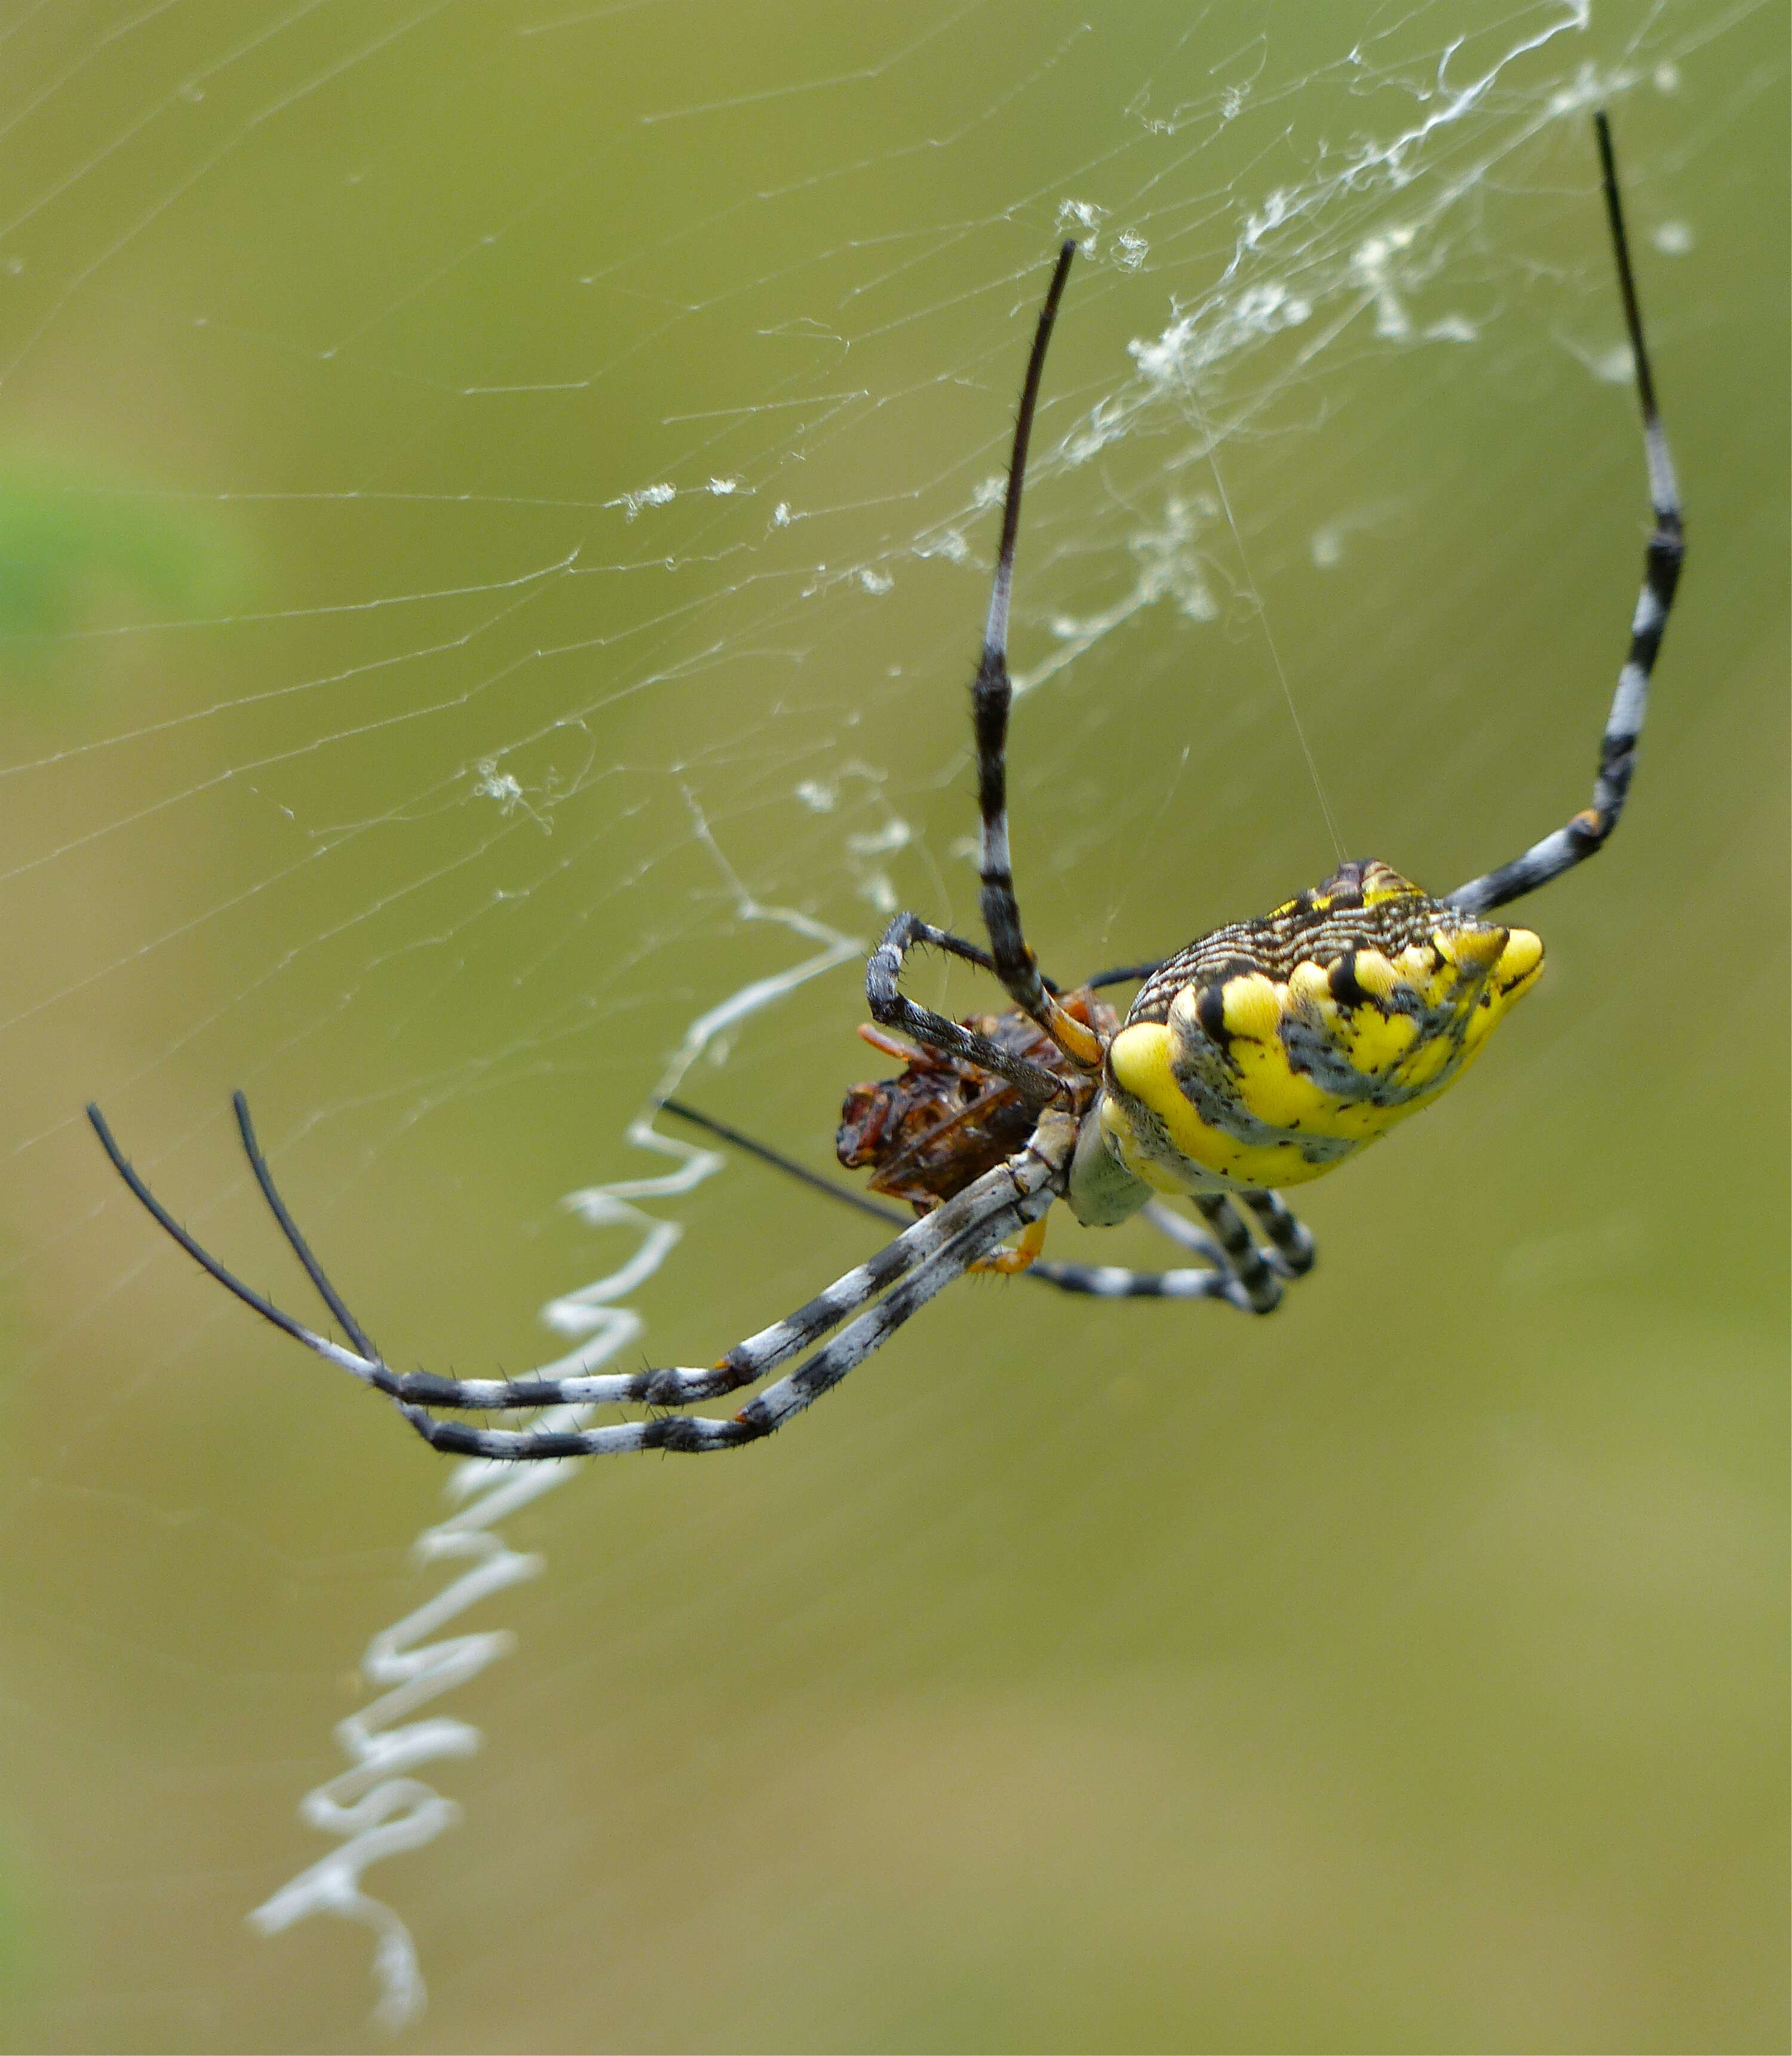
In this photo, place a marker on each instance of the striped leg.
(1215, 1280)
(1590, 829)
(942, 1245)
(889, 1005)
(1234, 1269)
(1258, 1279)
(1290, 1253)
(1000, 1212)
(992, 693)
(747, 1361)
(1115, 1281)
(1290, 1241)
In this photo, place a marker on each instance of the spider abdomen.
(1267, 1052)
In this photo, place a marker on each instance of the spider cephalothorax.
(1259, 1057)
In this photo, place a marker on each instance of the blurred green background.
(1408, 1671)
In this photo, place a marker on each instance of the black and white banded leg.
(1010, 957)
(907, 1272)
(698, 1434)
(1288, 1250)
(1233, 1269)
(991, 695)
(1260, 1279)
(1214, 1278)
(892, 1009)
(1289, 1240)
(1589, 831)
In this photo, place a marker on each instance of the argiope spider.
(1258, 1057)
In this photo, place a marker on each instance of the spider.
(1260, 1057)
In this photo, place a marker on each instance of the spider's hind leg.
(1260, 1271)
(363, 1360)
(908, 1272)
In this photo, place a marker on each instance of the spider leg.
(1006, 1263)
(992, 693)
(1290, 1241)
(363, 1366)
(1287, 1251)
(890, 1007)
(1235, 1269)
(1589, 830)
(956, 946)
(997, 1196)
(289, 1227)
(1289, 1254)
(1183, 1231)
(1124, 974)
(1259, 1280)
(1011, 1196)
(1115, 1281)
(846, 1194)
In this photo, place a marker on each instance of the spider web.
(496, 508)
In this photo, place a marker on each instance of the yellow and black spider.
(1258, 1057)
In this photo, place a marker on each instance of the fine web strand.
(1262, 609)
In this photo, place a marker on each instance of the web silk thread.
(377, 1805)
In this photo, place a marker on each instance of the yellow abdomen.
(1270, 1051)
